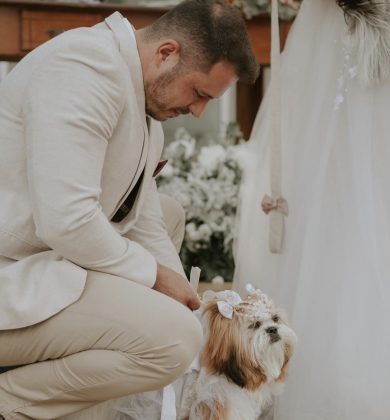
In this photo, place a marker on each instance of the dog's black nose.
(272, 330)
(273, 334)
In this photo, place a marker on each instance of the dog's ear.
(288, 350)
(233, 371)
(226, 352)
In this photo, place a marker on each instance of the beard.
(157, 96)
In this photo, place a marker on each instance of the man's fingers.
(176, 286)
(194, 303)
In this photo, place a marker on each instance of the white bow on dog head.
(257, 304)
(226, 300)
(226, 306)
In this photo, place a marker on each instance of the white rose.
(189, 148)
(192, 232)
(184, 139)
(211, 156)
(204, 232)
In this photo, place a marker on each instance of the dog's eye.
(255, 325)
(276, 318)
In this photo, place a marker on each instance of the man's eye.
(197, 94)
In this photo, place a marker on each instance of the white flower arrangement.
(206, 183)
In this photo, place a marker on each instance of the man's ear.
(168, 53)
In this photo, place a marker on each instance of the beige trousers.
(119, 338)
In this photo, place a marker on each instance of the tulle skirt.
(333, 277)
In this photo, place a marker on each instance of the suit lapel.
(153, 156)
(153, 135)
(157, 138)
(129, 52)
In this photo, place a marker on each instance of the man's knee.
(147, 327)
(174, 218)
(173, 351)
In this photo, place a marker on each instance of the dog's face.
(251, 348)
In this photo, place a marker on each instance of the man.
(93, 298)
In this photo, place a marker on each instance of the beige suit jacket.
(73, 142)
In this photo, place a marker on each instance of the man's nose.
(197, 108)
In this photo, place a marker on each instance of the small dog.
(244, 360)
(241, 367)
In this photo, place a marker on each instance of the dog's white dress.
(333, 276)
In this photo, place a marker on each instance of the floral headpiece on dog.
(256, 305)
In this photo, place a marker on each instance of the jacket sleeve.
(150, 231)
(70, 110)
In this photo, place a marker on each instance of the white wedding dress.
(333, 276)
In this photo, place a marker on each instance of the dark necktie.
(128, 204)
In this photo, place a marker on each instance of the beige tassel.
(276, 212)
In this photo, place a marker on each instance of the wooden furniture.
(26, 24)
(203, 286)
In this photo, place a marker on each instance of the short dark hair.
(209, 31)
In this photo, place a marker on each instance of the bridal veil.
(333, 275)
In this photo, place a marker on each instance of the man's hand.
(175, 286)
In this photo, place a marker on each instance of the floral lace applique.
(348, 71)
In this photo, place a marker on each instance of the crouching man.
(94, 303)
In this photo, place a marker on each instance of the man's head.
(191, 55)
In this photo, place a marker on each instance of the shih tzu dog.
(244, 359)
(241, 367)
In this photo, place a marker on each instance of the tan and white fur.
(243, 364)
(244, 360)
